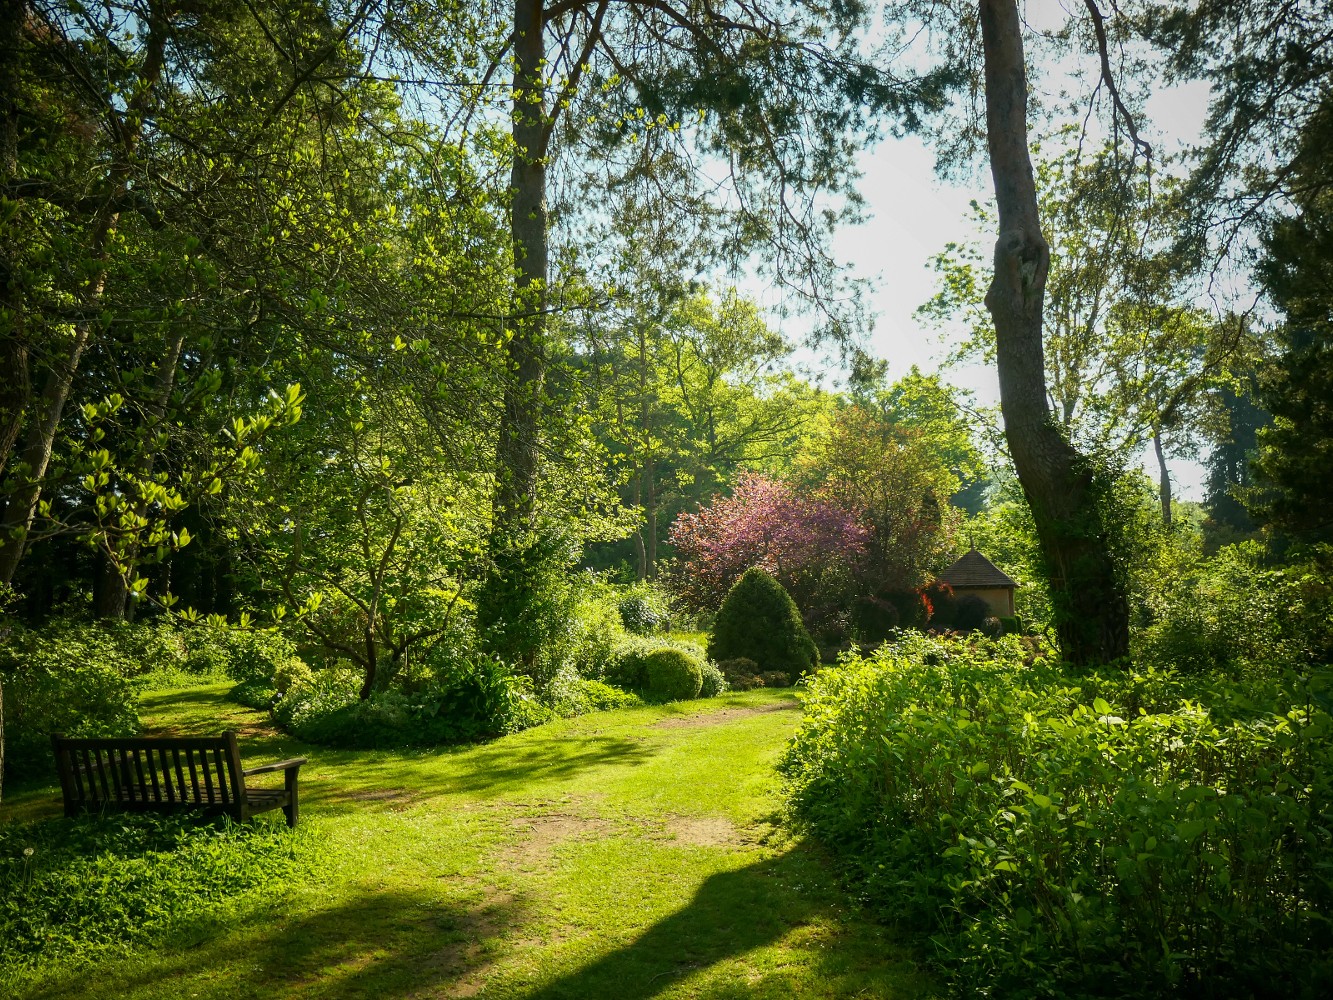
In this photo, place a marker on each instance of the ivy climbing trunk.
(1065, 494)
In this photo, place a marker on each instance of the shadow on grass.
(782, 899)
(373, 944)
(404, 778)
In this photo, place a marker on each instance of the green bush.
(671, 675)
(627, 666)
(461, 702)
(70, 889)
(254, 694)
(713, 682)
(1241, 613)
(759, 620)
(1065, 835)
(252, 655)
(569, 695)
(68, 678)
(595, 630)
(741, 673)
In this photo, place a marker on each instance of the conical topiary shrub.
(759, 620)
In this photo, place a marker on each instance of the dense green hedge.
(1064, 835)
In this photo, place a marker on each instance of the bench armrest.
(282, 765)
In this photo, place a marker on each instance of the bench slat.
(193, 766)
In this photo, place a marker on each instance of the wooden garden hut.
(975, 574)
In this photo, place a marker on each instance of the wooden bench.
(166, 774)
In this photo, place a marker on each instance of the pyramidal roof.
(975, 570)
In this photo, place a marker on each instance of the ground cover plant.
(599, 856)
(1063, 833)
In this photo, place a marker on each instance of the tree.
(1295, 459)
(1128, 358)
(809, 545)
(896, 483)
(770, 92)
(1064, 492)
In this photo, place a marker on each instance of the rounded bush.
(759, 620)
(672, 675)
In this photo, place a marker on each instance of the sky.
(911, 214)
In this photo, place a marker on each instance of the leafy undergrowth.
(72, 890)
(1074, 835)
(629, 854)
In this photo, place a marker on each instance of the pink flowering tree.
(810, 545)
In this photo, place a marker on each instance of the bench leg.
(290, 810)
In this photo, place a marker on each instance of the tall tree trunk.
(1091, 603)
(1163, 477)
(640, 551)
(516, 450)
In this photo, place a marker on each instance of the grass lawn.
(625, 855)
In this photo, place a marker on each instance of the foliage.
(569, 695)
(457, 702)
(525, 606)
(1065, 835)
(808, 544)
(896, 480)
(1242, 614)
(713, 681)
(73, 890)
(71, 679)
(638, 615)
(671, 675)
(1295, 461)
(741, 673)
(627, 667)
(759, 621)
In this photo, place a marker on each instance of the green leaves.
(1031, 826)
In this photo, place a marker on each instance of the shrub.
(741, 673)
(875, 618)
(464, 701)
(252, 655)
(254, 694)
(775, 679)
(526, 606)
(569, 695)
(671, 675)
(1065, 835)
(68, 678)
(759, 621)
(970, 613)
(713, 682)
(627, 666)
(637, 615)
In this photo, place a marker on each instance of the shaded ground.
(631, 854)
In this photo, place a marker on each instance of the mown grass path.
(624, 855)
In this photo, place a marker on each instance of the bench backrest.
(150, 772)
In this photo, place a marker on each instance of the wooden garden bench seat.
(166, 774)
